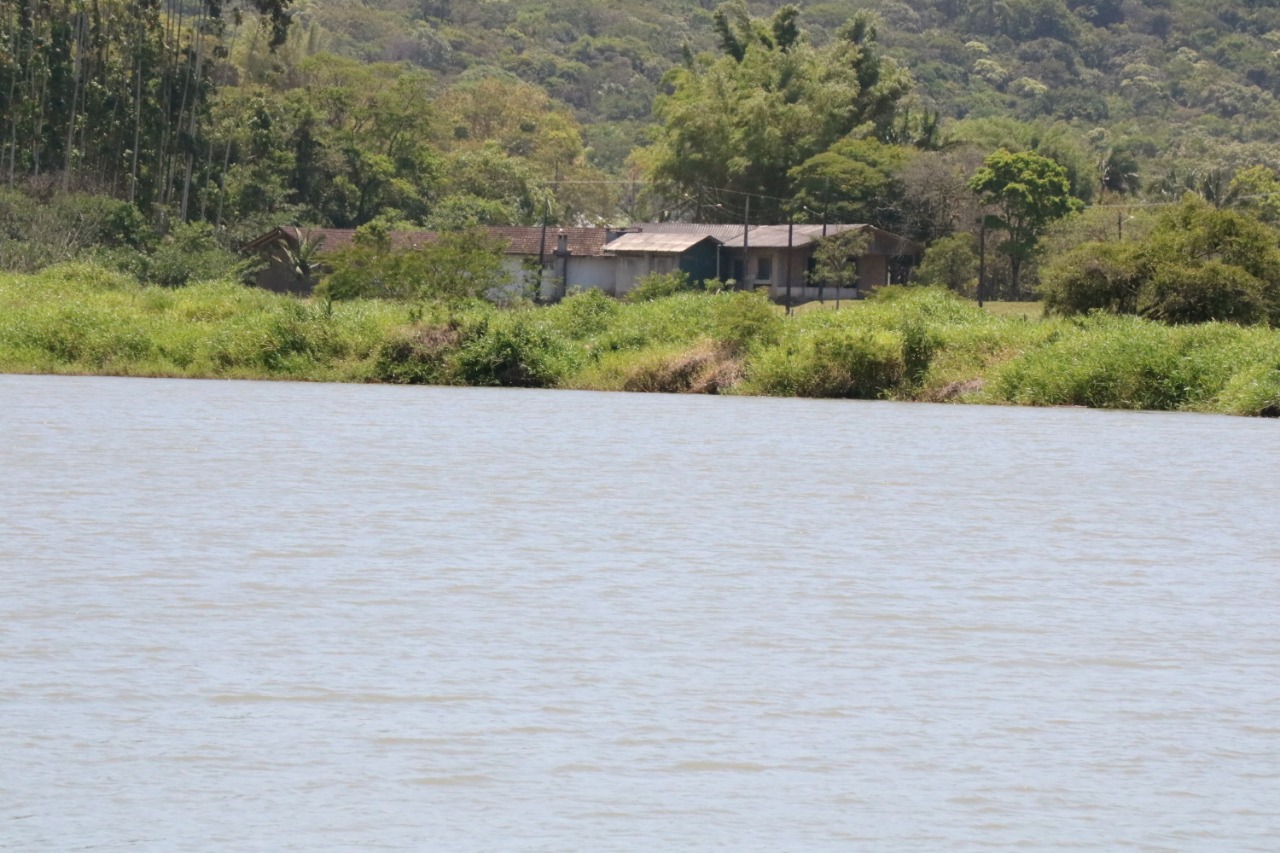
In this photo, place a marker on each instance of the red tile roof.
(520, 239)
(527, 239)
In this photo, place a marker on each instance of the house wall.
(561, 274)
(873, 271)
(800, 295)
(597, 273)
(278, 276)
(700, 261)
(629, 269)
(521, 281)
(752, 278)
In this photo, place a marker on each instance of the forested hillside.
(122, 121)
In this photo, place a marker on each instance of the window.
(764, 269)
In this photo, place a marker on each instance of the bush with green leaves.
(742, 319)
(832, 362)
(419, 355)
(453, 267)
(38, 232)
(1129, 363)
(190, 252)
(659, 286)
(1199, 264)
(950, 262)
(513, 351)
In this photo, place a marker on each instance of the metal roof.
(776, 236)
(721, 232)
(662, 244)
(517, 240)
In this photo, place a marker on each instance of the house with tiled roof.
(780, 257)
(553, 261)
(571, 254)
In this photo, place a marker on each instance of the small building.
(640, 253)
(781, 257)
(547, 261)
(550, 262)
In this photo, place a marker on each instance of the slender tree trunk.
(13, 111)
(222, 182)
(76, 63)
(172, 124)
(137, 129)
(195, 115)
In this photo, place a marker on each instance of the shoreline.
(908, 345)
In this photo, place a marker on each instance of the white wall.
(593, 272)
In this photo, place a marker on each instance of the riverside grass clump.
(904, 344)
(82, 318)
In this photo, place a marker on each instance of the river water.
(270, 616)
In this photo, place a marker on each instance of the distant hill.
(1178, 84)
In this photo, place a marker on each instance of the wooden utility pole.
(791, 229)
(746, 227)
(826, 210)
(982, 257)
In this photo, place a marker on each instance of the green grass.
(1015, 310)
(902, 345)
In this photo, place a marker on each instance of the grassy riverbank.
(910, 345)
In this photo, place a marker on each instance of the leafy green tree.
(856, 180)
(744, 121)
(1028, 192)
(493, 187)
(836, 259)
(362, 141)
(1198, 264)
(659, 285)
(190, 252)
(951, 262)
(1257, 190)
(455, 266)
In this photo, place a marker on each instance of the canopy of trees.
(246, 114)
(772, 101)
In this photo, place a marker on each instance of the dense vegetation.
(449, 113)
(1117, 157)
(912, 344)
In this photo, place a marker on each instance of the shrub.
(1200, 294)
(740, 319)
(1129, 363)
(455, 267)
(1094, 276)
(190, 252)
(38, 233)
(582, 314)
(950, 262)
(832, 362)
(1254, 390)
(703, 368)
(418, 355)
(513, 354)
(658, 286)
(1199, 264)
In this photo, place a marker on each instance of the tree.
(1257, 190)
(744, 121)
(455, 266)
(853, 181)
(1028, 192)
(836, 258)
(951, 262)
(1198, 264)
